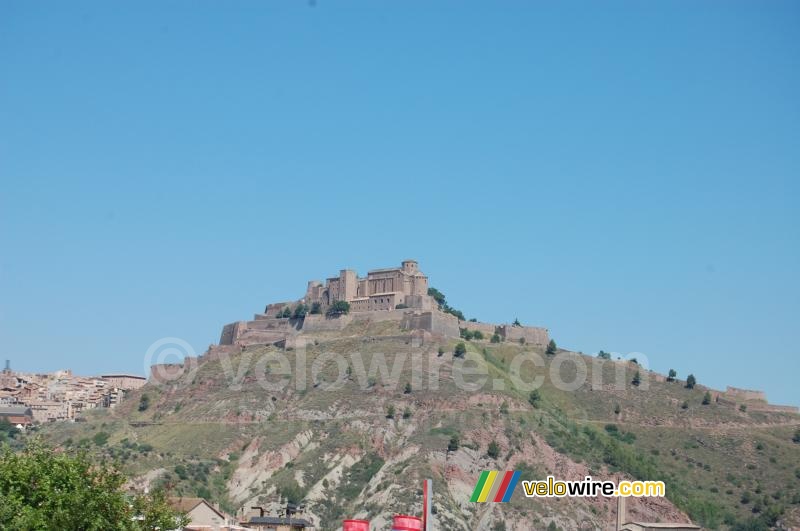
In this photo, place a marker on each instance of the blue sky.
(625, 174)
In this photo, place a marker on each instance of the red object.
(402, 522)
(355, 525)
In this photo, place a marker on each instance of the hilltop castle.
(382, 289)
(391, 294)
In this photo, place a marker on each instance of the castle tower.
(410, 267)
(349, 284)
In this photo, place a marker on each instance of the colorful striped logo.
(495, 486)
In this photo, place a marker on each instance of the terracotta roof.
(186, 505)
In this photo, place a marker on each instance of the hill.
(239, 429)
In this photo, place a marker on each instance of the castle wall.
(745, 394)
(531, 334)
(773, 408)
(322, 323)
(231, 332)
(487, 329)
(435, 322)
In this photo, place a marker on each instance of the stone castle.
(382, 289)
(392, 294)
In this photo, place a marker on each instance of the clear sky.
(625, 174)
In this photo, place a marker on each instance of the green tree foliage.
(144, 402)
(407, 389)
(691, 381)
(440, 299)
(495, 338)
(617, 409)
(441, 351)
(7, 430)
(493, 450)
(42, 489)
(551, 348)
(535, 398)
(300, 311)
(706, 398)
(390, 412)
(637, 379)
(685, 405)
(671, 376)
(316, 309)
(516, 322)
(100, 438)
(407, 413)
(438, 296)
(339, 308)
(453, 444)
(477, 334)
(603, 355)
(460, 351)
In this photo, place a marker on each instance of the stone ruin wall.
(531, 334)
(169, 372)
(437, 323)
(744, 394)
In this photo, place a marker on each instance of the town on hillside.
(28, 398)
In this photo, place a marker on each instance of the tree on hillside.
(495, 338)
(493, 450)
(477, 334)
(286, 313)
(390, 412)
(453, 444)
(534, 398)
(300, 311)
(603, 355)
(316, 308)
(706, 398)
(516, 322)
(407, 389)
(438, 296)
(671, 376)
(637, 379)
(144, 402)
(7, 430)
(551, 348)
(339, 308)
(43, 489)
(460, 351)
(691, 381)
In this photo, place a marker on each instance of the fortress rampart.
(744, 394)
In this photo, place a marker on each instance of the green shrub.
(460, 350)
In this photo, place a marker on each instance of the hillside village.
(28, 398)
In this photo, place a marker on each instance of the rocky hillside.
(360, 445)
